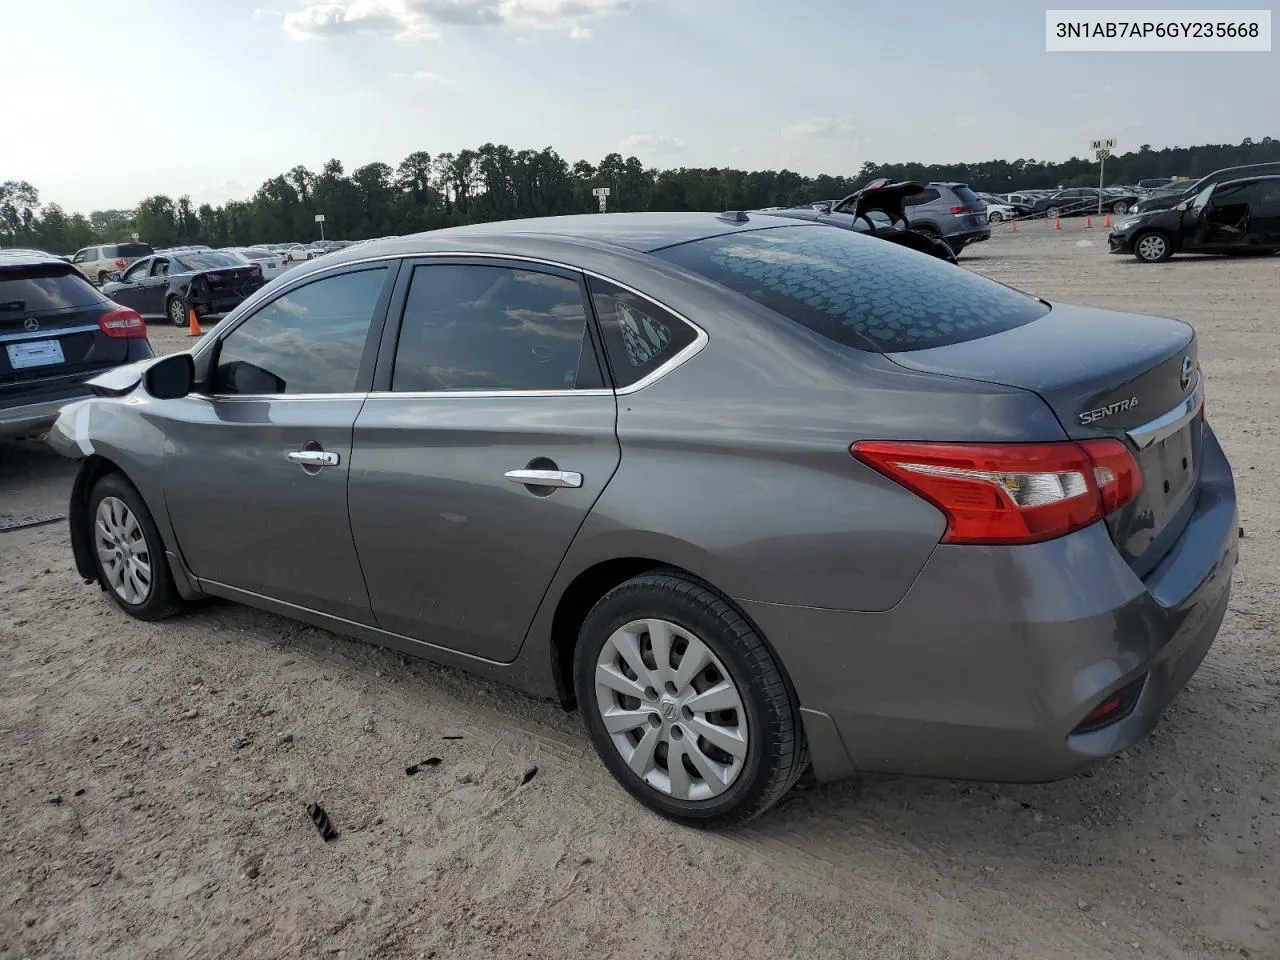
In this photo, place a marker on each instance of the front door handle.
(315, 458)
(545, 478)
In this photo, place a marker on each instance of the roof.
(30, 258)
(641, 232)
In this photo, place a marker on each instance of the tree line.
(495, 182)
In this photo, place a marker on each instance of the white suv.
(100, 262)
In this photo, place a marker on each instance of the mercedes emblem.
(1187, 367)
(32, 323)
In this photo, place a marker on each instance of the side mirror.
(171, 377)
(114, 278)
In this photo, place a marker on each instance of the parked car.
(878, 209)
(999, 212)
(942, 527)
(1238, 216)
(167, 287)
(273, 264)
(297, 253)
(98, 263)
(949, 211)
(1176, 193)
(57, 332)
(1154, 183)
(1083, 201)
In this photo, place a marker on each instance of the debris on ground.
(414, 768)
(321, 820)
(528, 775)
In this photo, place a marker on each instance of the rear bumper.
(34, 419)
(994, 657)
(220, 305)
(971, 236)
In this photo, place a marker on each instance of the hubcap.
(1151, 248)
(175, 312)
(122, 548)
(671, 709)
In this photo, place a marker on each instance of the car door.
(1225, 223)
(153, 288)
(80, 262)
(1266, 213)
(258, 456)
(128, 291)
(487, 439)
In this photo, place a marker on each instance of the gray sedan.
(757, 495)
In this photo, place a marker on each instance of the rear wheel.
(685, 703)
(995, 216)
(1053, 213)
(128, 552)
(103, 277)
(1152, 247)
(177, 312)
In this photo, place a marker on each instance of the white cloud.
(650, 143)
(422, 19)
(820, 128)
(426, 76)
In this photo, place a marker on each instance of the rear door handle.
(315, 458)
(545, 478)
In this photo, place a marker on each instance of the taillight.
(212, 278)
(1011, 492)
(257, 269)
(121, 323)
(120, 264)
(957, 211)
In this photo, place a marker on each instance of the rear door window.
(493, 328)
(857, 290)
(35, 289)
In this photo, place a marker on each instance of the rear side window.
(857, 290)
(926, 196)
(32, 289)
(133, 250)
(493, 328)
(639, 336)
(966, 195)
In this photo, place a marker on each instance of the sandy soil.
(154, 779)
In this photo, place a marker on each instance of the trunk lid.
(1105, 374)
(227, 281)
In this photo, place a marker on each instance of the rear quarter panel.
(736, 465)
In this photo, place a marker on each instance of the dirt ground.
(154, 778)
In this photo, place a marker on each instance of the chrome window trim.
(50, 334)
(700, 339)
(275, 397)
(1167, 424)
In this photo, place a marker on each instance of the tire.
(1120, 207)
(103, 277)
(1053, 213)
(176, 311)
(995, 216)
(1152, 247)
(121, 528)
(757, 716)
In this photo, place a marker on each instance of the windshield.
(856, 290)
(206, 260)
(1202, 198)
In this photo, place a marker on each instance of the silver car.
(757, 495)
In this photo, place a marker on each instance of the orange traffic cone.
(1013, 226)
(1106, 221)
(1088, 223)
(193, 325)
(1057, 223)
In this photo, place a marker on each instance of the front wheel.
(1152, 247)
(1053, 213)
(177, 312)
(103, 277)
(128, 552)
(685, 703)
(1120, 207)
(995, 216)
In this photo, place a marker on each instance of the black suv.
(1170, 197)
(56, 332)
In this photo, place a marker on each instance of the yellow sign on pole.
(1102, 154)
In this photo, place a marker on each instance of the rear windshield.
(966, 195)
(44, 288)
(858, 290)
(206, 260)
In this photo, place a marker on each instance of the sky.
(106, 104)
